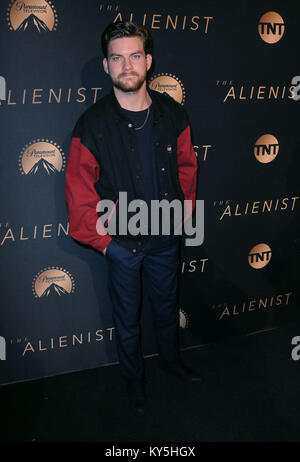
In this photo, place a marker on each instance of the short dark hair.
(126, 29)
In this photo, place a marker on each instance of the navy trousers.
(158, 264)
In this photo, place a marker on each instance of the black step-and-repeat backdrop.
(231, 64)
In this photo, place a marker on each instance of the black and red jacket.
(103, 160)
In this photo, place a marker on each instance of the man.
(134, 141)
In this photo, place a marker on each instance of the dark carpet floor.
(250, 393)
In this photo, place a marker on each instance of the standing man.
(134, 141)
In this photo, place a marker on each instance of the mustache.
(126, 74)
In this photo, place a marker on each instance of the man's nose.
(127, 63)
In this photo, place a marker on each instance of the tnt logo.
(271, 27)
(2, 349)
(2, 88)
(266, 148)
(259, 256)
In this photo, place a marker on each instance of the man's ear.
(148, 61)
(105, 65)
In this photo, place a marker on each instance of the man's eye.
(116, 58)
(136, 56)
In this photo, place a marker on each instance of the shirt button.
(138, 177)
(163, 169)
(166, 194)
(133, 250)
(130, 125)
(139, 243)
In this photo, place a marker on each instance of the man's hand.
(104, 251)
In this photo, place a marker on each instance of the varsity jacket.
(103, 161)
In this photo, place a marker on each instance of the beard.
(127, 86)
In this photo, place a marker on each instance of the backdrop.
(231, 66)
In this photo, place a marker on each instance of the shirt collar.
(119, 115)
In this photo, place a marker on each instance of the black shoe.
(179, 370)
(137, 396)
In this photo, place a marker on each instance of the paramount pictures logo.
(53, 281)
(41, 157)
(170, 84)
(32, 16)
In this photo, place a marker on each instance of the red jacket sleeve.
(187, 167)
(81, 197)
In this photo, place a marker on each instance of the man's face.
(127, 64)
